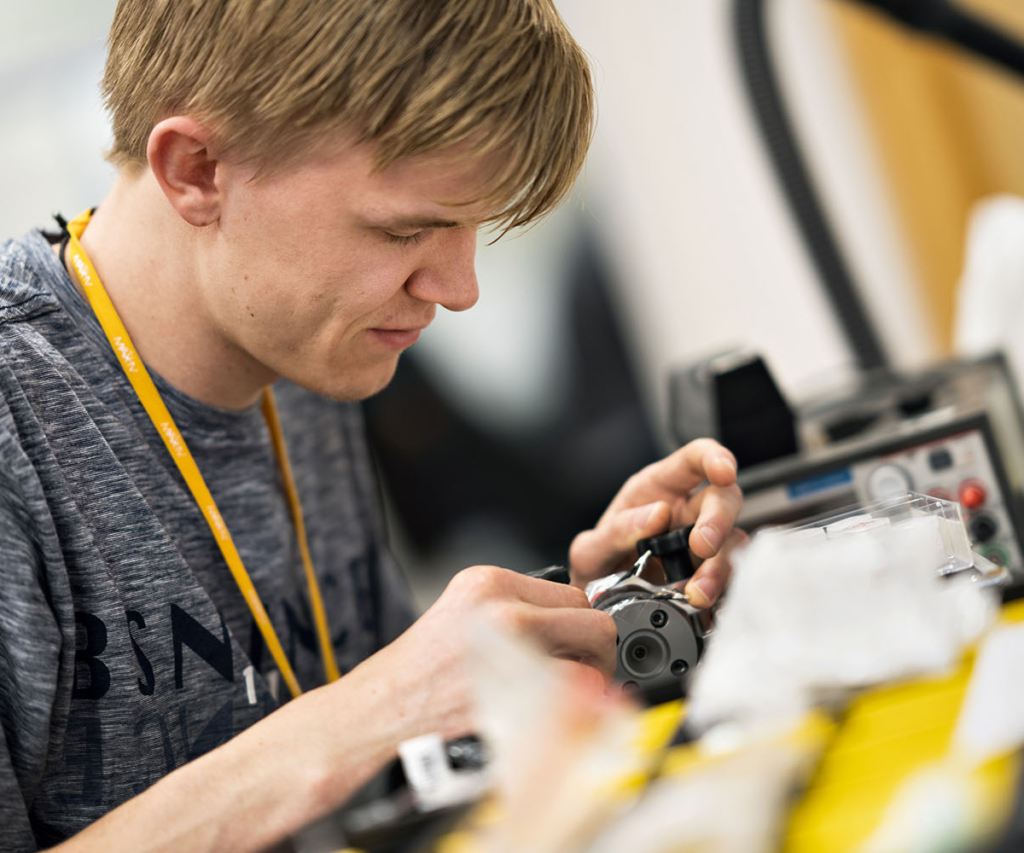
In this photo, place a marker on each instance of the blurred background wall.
(54, 127)
(949, 131)
(508, 429)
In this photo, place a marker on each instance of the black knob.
(983, 527)
(673, 550)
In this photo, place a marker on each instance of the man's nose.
(448, 274)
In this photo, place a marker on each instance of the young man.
(300, 184)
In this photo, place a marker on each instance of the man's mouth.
(397, 339)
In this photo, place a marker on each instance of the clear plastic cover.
(893, 512)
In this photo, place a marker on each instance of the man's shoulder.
(41, 340)
(41, 358)
(24, 293)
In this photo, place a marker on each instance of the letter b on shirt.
(92, 677)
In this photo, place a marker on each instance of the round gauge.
(888, 481)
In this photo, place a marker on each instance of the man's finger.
(598, 552)
(484, 583)
(719, 508)
(710, 580)
(587, 636)
(545, 593)
(678, 474)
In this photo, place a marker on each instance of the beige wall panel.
(950, 130)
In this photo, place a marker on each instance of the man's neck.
(147, 258)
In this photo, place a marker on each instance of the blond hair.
(275, 79)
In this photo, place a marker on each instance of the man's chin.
(355, 384)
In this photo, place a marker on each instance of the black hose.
(758, 74)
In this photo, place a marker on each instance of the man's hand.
(428, 664)
(661, 497)
(311, 755)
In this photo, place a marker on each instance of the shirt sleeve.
(30, 645)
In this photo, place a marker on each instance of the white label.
(425, 763)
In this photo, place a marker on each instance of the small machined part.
(661, 636)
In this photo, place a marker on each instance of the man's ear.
(179, 155)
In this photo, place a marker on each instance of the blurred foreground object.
(581, 770)
(562, 749)
(855, 600)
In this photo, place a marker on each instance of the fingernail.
(699, 592)
(711, 536)
(727, 462)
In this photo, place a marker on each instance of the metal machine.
(955, 432)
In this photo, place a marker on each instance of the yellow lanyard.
(150, 398)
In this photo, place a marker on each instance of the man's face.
(324, 273)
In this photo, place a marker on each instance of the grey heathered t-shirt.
(126, 649)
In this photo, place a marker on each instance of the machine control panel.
(955, 467)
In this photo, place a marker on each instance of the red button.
(972, 494)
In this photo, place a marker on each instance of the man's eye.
(404, 239)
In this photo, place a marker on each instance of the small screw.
(659, 618)
(679, 667)
(639, 652)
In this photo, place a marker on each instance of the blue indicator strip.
(819, 483)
